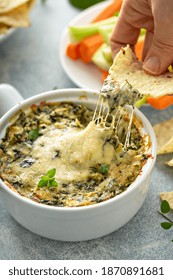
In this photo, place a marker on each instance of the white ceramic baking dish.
(80, 223)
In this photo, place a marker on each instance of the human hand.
(156, 16)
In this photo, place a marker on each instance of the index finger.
(134, 15)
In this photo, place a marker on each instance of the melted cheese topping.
(79, 150)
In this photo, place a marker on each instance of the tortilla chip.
(164, 135)
(19, 17)
(170, 163)
(168, 196)
(9, 5)
(127, 67)
(31, 4)
(167, 148)
(3, 28)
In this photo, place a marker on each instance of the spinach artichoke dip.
(57, 154)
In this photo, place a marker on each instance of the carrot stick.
(104, 75)
(139, 48)
(160, 103)
(72, 51)
(109, 11)
(89, 46)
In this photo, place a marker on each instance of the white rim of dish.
(53, 94)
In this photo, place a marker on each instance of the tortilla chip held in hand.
(127, 67)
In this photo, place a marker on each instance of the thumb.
(160, 53)
(159, 57)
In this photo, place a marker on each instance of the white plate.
(3, 37)
(83, 75)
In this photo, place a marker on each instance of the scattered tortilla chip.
(168, 196)
(164, 135)
(14, 13)
(31, 3)
(127, 67)
(170, 163)
(167, 148)
(17, 18)
(9, 5)
(3, 28)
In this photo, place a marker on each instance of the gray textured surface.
(29, 60)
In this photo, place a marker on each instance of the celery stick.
(80, 32)
(106, 31)
(108, 54)
(100, 60)
(140, 102)
(142, 31)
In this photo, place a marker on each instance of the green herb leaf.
(54, 184)
(33, 134)
(166, 225)
(165, 207)
(45, 178)
(42, 183)
(51, 173)
(48, 180)
(43, 1)
(104, 168)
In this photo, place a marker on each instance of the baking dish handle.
(9, 96)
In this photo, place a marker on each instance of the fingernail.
(152, 65)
